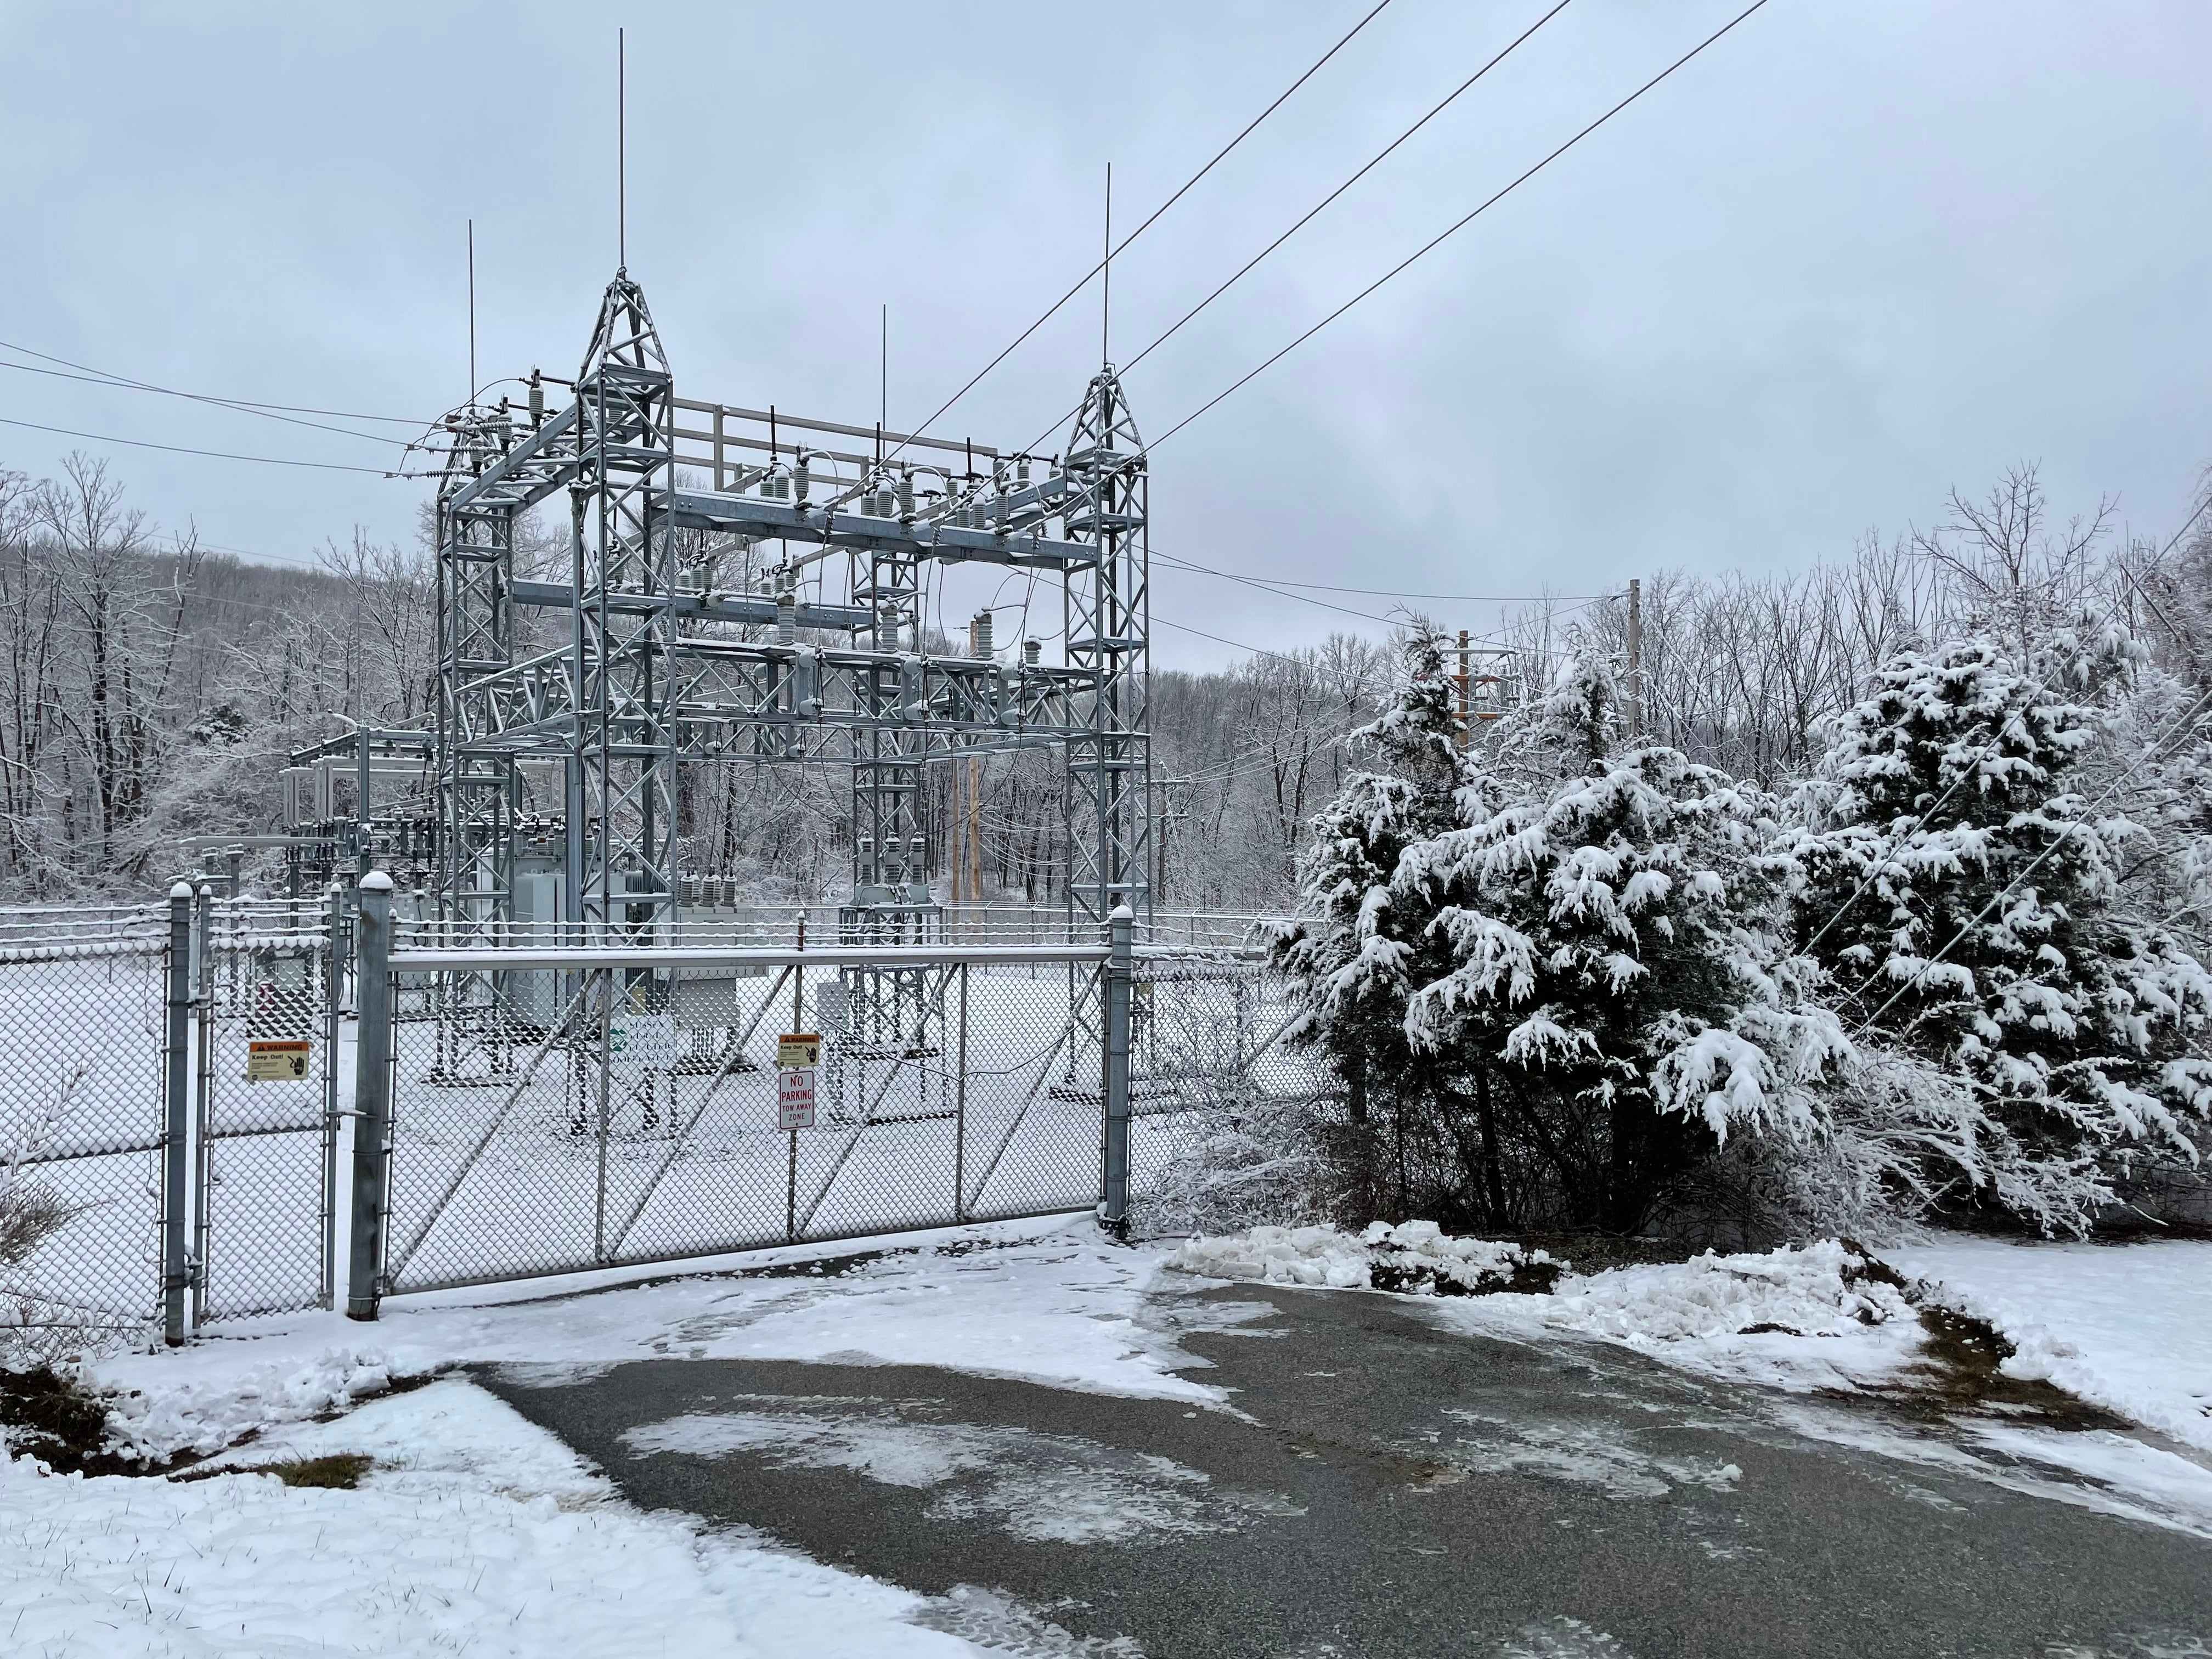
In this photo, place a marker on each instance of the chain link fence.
(267, 1008)
(82, 995)
(551, 1111)
(636, 1112)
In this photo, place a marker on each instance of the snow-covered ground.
(478, 1532)
(475, 1527)
(2128, 1327)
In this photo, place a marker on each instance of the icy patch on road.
(1559, 1637)
(1413, 1256)
(1584, 1454)
(2097, 1470)
(1047, 1488)
(1004, 1626)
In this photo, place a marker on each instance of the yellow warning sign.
(268, 1062)
(797, 1049)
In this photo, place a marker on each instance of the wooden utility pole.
(1635, 657)
(1462, 678)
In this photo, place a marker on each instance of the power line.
(126, 385)
(1461, 224)
(267, 411)
(1374, 162)
(1273, 582)
(214, 454)
(1113, 250)
(1236, 644)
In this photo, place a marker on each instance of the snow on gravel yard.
(2128, 1327)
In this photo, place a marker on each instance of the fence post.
(204, 992)
(372, 1092)
(176, 1100)
(334, 937)
(1115, 1211)
(960, 1111)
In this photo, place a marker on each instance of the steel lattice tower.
(642, 684)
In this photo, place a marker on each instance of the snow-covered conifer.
(1351, 958)
(1962, 887)
(1613, 1001)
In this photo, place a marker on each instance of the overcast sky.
(1852, 255)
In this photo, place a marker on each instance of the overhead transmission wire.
(1269, 584)
(1459, 225)
(1403, 265)
(1384, 593)
(1115, 249)
(1375, 160)
(214, 454)
(1314, 212)
(286, 413)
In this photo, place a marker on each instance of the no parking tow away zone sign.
(797, 1054)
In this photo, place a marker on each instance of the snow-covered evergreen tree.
(1963, 892)
(1354, 954)
(1615, 1003)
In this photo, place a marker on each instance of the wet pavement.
(1382, 1485)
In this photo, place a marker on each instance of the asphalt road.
(1389, 1488)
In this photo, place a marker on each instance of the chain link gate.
(267, 1006)
(555, 1112)
(82, 1039)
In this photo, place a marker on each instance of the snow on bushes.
(1414, 1257)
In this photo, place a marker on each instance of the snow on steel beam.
(748, 515)
(718, 607)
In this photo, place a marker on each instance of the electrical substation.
(547, 797)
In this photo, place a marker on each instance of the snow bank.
(1053, 1304)
(2125, 1327)
(1413, 1256)
(1820, 1288)
(205, 1414)
(478, 1533)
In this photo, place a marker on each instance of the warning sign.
(794, 1100)
(796, 1049)
(268, 1062)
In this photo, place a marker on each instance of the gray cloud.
(1856, 253)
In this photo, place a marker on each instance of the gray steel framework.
(660, 668)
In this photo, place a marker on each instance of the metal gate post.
(333, 1010)
(204, 1006)
(372, 1094)
(1114, 1213)
(960, 1112)
(176, 1091)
